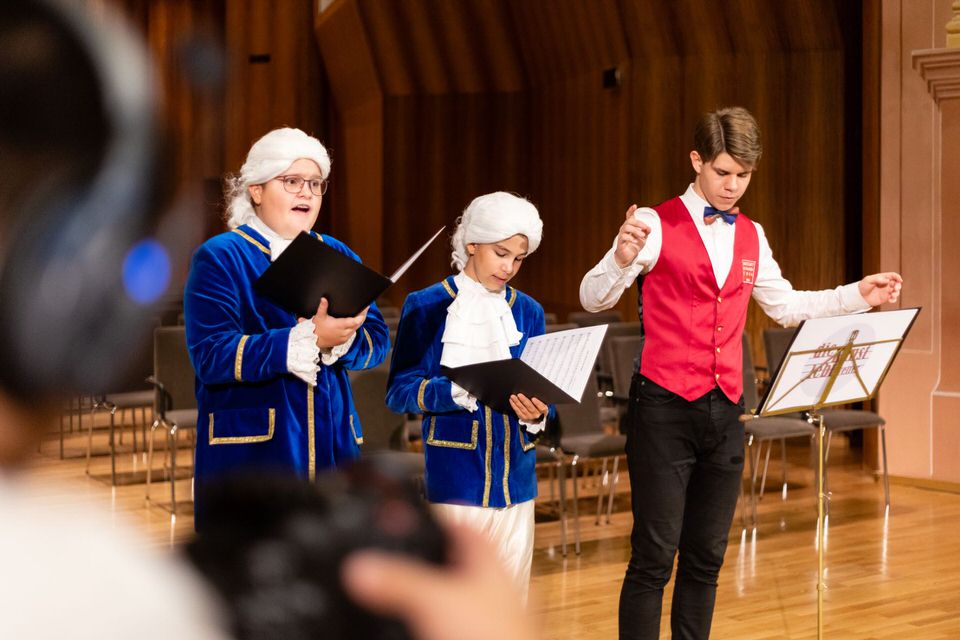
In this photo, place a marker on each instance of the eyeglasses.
(294, 184)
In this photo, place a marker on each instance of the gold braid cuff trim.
(420, 392)
(369, 346)
(238, 360)
(353, 430)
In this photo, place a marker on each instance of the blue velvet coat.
(482, 458)
(254, 414)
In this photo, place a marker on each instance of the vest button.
(716, 376)
(719, 299)
(719, 328)
(718, 349)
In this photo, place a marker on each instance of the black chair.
(776, 342)
(175, 402)
(590, 319)
(384, 432)
(582, 438)
(112, 403)
(766, 430)
(563, 326)
(624, 361)
(389, 312)
(605, 361)
(550, 318)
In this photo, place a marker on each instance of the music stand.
(831, 361)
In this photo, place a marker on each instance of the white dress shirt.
(603, 285)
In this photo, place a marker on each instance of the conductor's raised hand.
(881, 288)
(527, 409)
(332, 331)
(630, 239)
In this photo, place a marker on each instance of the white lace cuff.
(535, 427)
(331, 355)
(303, 355)
(462, 397)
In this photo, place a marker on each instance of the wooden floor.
(888, 575)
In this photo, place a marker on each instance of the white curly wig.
(269, 157)
(494, 217)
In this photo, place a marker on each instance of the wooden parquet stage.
(889, 575)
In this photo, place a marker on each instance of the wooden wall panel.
(440, 152)
(583, 153)
(287, 90)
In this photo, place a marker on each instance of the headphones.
(88, 243)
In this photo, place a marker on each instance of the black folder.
(494, 382)
(309, 269)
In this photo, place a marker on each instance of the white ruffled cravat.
(480, 328)
(480, 325)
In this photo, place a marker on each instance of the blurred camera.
(272, 548)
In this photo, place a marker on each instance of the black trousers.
(686, 461)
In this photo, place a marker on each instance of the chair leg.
(153, 429)
(613, 486)
(552, 478)
(766, 467)
(561, 473)
(576, 508)
(113, 447)
(173, 469)
(133, 427)
(600, 484)
(753, 478)
(90, 437)
(886, 476)
(783, 468)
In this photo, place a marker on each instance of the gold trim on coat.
(420, 392)
(487, 475)
(453, 444)
(370, 346)
(311, 437)
(353, 430)
(248, 238)
(453, 294)
(271, 422)
(238, 359)
(506, 460)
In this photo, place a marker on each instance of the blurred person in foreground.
(81, 261)
(357, 554)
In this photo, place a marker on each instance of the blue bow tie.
(710, 214)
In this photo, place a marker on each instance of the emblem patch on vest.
(749, 270)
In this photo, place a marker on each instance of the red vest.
(694, 329)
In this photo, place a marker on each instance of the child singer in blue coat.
(479, 463)
(272, 389)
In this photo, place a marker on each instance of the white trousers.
(509, 529)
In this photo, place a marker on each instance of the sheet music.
(406, 265)
(802, 379)
(566, 358)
